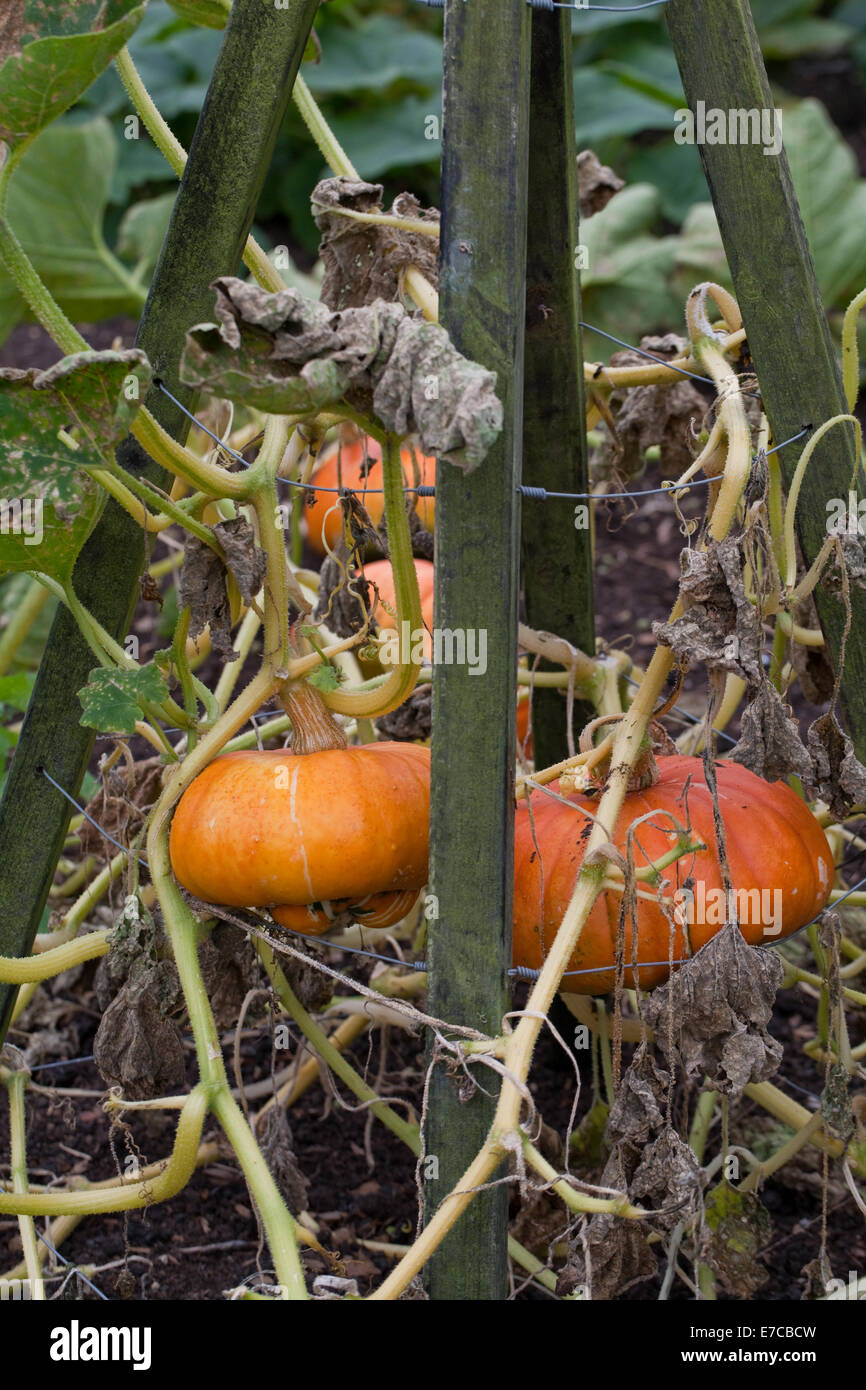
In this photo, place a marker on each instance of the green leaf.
(380, 51)
(142, 231)
(15, 689)
(767, 13)
(49, 503)
(647, 67)
(804, 36)
(112, 699)
(325, 677)
(213, 14)
(57, 199)
(832, 199)
(625, 287)
(605, 107)
(675, 170)
(51, 53)
(392, 136)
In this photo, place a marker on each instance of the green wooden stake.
(231, 150)
(482, 258)
(774, 281)
(555, 537)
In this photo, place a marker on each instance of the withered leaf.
(667, 1179)
(836, 775)
(738, 1226)
(245, 559)
(230, 969)
(817, 1275)
(411, 720)
(136, 1046)
(202, 588)
(596, 183)
(638, 1108)
(836, 1102)
(362, 260)
(312, 986)
(120, 804)
(286, 354)
(719, 625)
(770, 743)
(658, 414)
(712, 1015)
(853, 557)
(275, 1139)
(341, 595)
(612, 1253)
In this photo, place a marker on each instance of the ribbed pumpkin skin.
(343, 468)
(263, 828)
(378, 910)
(773, 841)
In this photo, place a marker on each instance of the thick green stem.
(334, 1059)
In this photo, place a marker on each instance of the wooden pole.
(483, 250)
(234, 140)
(556, 541)
(721, 65)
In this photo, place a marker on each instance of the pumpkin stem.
(314, 728)
(644, 772)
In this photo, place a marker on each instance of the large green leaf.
(379, 138)
(832, 199)
(57, 198)
(604, 106)
(142, 231)
(49, 503)
(372, 56)
(804, 36)
(51, 52)
(625, 285)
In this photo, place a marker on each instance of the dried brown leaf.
(719, 625)
(137, 1047)
(770, 743)
(836, 775)
(639, 1106)
(667, 1180)
(202, 588)
(411, 720)
(362, 260)
(283, 353)
(275, 1139)
(711, 1017)
(245, 559)
(596, 183)
(120, 804)
(612, 1253)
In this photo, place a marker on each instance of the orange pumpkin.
(308, 835)
(343, 466)
(780, 862)
(380, 573)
